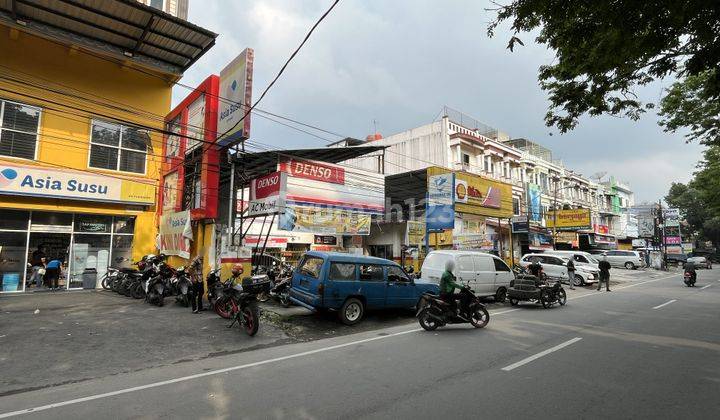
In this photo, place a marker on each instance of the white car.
(628, 259)
(700, 262)
(486, 274)
(583, 261)
(555, 267)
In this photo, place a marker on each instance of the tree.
(690, 103)
(607, 49)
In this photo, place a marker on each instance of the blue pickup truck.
(351, 284)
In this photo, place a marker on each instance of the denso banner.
(175, 234)
(42, 181)
(267, 194)
(324, 185)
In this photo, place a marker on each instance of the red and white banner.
(313, 184)
(267, 194)
(272, 241)
(314, 170)
(175, 234)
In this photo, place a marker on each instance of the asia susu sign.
(267, 194)
(39, 181)
(568, 219)
(236, 92)
(175, 234)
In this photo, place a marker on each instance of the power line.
(282, 69)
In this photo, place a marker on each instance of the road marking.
(264, 362)
(705, 287)
(625, 287)
(541, 354)
(666, 303)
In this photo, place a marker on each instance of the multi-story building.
(83, 93)
(177, 8)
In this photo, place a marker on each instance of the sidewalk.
(81, 335)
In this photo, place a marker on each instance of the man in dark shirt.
(37, 260)
(604, 266)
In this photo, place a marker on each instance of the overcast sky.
(398, 62)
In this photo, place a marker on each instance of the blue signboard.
(534, 206)
(440, 208)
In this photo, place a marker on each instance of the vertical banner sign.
(534, 205)
(672, 217)
(267, 194)
(440, 211)
(236, 99)
(175, 234)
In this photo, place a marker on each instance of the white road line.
(666, 303)
(705, 287)
(199, 375)
(625, 287)
(262, 362)
(541, 354)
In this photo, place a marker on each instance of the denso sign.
(314, 170)
(267, 194)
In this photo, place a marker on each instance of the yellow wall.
(64, 131)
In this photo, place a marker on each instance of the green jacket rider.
(447, 280)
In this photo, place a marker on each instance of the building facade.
(81, 120)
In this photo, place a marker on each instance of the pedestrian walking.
(604, 273)
(571, 273)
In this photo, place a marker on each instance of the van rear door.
(307, 279)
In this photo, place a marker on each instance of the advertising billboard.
(534, 204)
(267, 194)
(38, 181)
(175, 234)
(415, 233)
(236, 93)
(672, 217)
(574, 219)
(327, 221)
(646, 226)
(170, 192)
(520, 224)
(440, 211)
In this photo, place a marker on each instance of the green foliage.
(605, 49)
(690, 103)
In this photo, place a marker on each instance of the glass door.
(90, 254)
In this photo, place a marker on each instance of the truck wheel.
(352, 311)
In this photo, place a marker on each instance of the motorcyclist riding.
(448, 285)
(690, 268)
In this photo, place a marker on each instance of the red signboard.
(314, 170)
(601, 228)
(265, 186)
(673, 240)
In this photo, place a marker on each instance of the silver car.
(628, 259)
(700, 262)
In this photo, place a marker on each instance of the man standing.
(604, 273)
(37, 260)
(571, 272)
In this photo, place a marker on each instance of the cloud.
(399, 62)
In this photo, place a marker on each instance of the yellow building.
(83, 94)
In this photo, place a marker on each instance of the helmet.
(237, 269)
(449, 265)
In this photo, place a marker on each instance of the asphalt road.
(648, 349)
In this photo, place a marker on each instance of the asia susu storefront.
(86, 221)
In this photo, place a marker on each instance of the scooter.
(690, 278)
(435, 312)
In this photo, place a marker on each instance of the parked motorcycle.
(435, 312)
(242, 300)
(214, 286)
(690, 278)
(181, 286)
(281, 291)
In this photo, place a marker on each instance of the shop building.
(83, 93)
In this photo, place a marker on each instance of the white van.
(486, 274)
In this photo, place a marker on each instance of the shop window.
(118, 147)
(92, 223)
(466, 159)
(90, 258)
(12, 260)
(51, 222)
(516, 206)
(14, 219)
(18, 129)
(124, 224)
(342, 272)
(121, 255)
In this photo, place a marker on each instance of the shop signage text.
(267, 194)
(314, 170)
(175, 234)
(569, 219)
(440, 213)
(236, 90)
(325, 240)
(45, 182)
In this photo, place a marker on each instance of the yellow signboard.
(324, 221)
(478, 195)
(569, 219)
(137, 192)
(415, 233)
